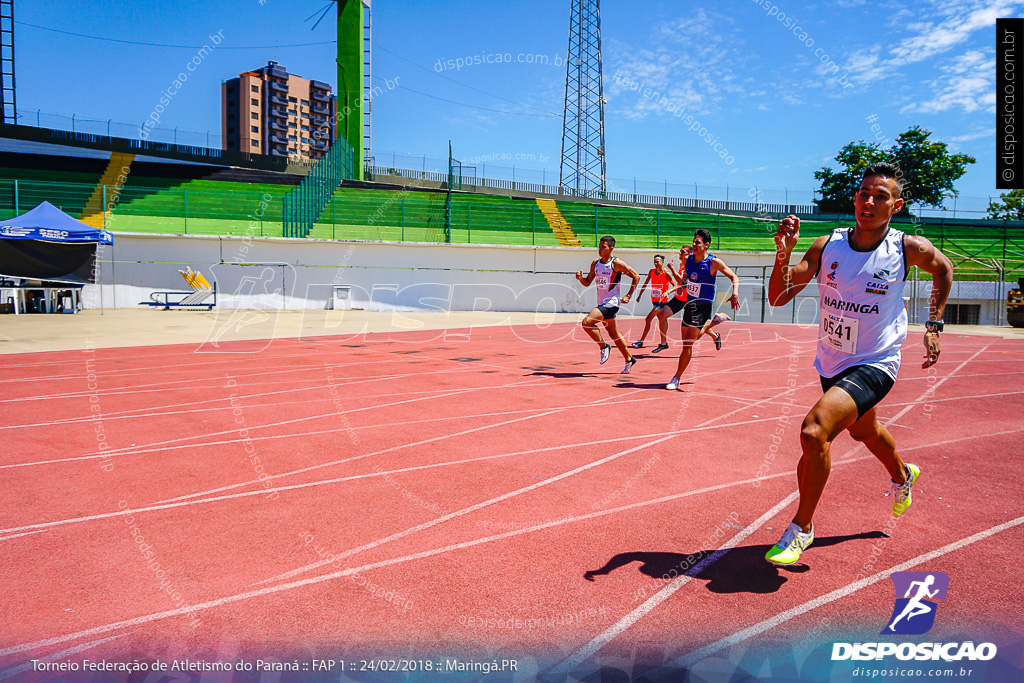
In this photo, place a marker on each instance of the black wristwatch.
(933, 326)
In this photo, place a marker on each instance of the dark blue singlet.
(700, 281)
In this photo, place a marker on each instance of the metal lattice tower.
(7, 101)
(583, 164)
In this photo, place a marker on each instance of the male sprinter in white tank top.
(608, 270)
(861, 273)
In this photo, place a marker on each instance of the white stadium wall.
(297, 274)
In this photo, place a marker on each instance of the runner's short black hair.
(659, 256)
(703, 234)
(885, 170)
(609, 239)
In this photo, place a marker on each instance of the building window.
(305, 115)
(255, 129)
(255, 88)
(231, 143)
(253, 115)
(254, 102)
(305, 141)
(292, 138)
(292, 112)
(291, 124)
(305, 103)
(231, 117)
(292, 99)
(255, 143)
(305, 127)
(231, 130)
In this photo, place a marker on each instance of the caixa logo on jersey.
(914, 614)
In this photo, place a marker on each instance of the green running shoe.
(788, 550)
(902, 491)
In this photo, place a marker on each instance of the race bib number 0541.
(840, 333)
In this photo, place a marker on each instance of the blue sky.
(751, 79)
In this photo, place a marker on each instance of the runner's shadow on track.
(741, 570)
(570, 375)
(638, 385)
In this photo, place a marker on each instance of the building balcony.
(277, 99)
(274, 151)
(279, 86)
(281, 113)
(276, 125)
(321, 109)
(322, 97)
(279, 139)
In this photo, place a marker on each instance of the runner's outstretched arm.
(923, 254)
(585, 281)
(786, 282)
(719, 265)
(623, 267)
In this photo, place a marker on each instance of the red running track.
(395, 495)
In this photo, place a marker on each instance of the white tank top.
(863, 320)
(607, 283)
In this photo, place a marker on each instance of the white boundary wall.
(273, 273)
(297, 274)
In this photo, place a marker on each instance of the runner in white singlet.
(863, 324)
(607, 271)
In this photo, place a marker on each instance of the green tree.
(1010, 206)
(929, 170)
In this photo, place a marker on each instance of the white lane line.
(390, 562)
(691, 658)
(538, 411)
(27, 533)
(160, 387)
(512, 494)
(462, 512)
(147, 412)
(613, 631)
(324, 482)
(136, 621)
(182, 442)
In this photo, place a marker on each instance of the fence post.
(104, 208)
(469, 222)
(596, 243)
(184, 208)
(16, 212)
(718, 230)
(262, 211)
(764, 289)
(657, 239)
(403, 219)
(332, 218)
(533, 224)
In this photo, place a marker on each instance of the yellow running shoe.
(902, 491)
(794, 541)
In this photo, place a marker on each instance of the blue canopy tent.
(48, 244)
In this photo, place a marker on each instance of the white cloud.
(690, 62)
(966, 83)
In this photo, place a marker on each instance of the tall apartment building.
(270, 111)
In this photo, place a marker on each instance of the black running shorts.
(696, 313)
(866, 385)
(608, 312)
(675, 305)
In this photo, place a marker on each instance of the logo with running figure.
(914, 613)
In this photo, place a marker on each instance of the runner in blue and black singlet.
(699, 272)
